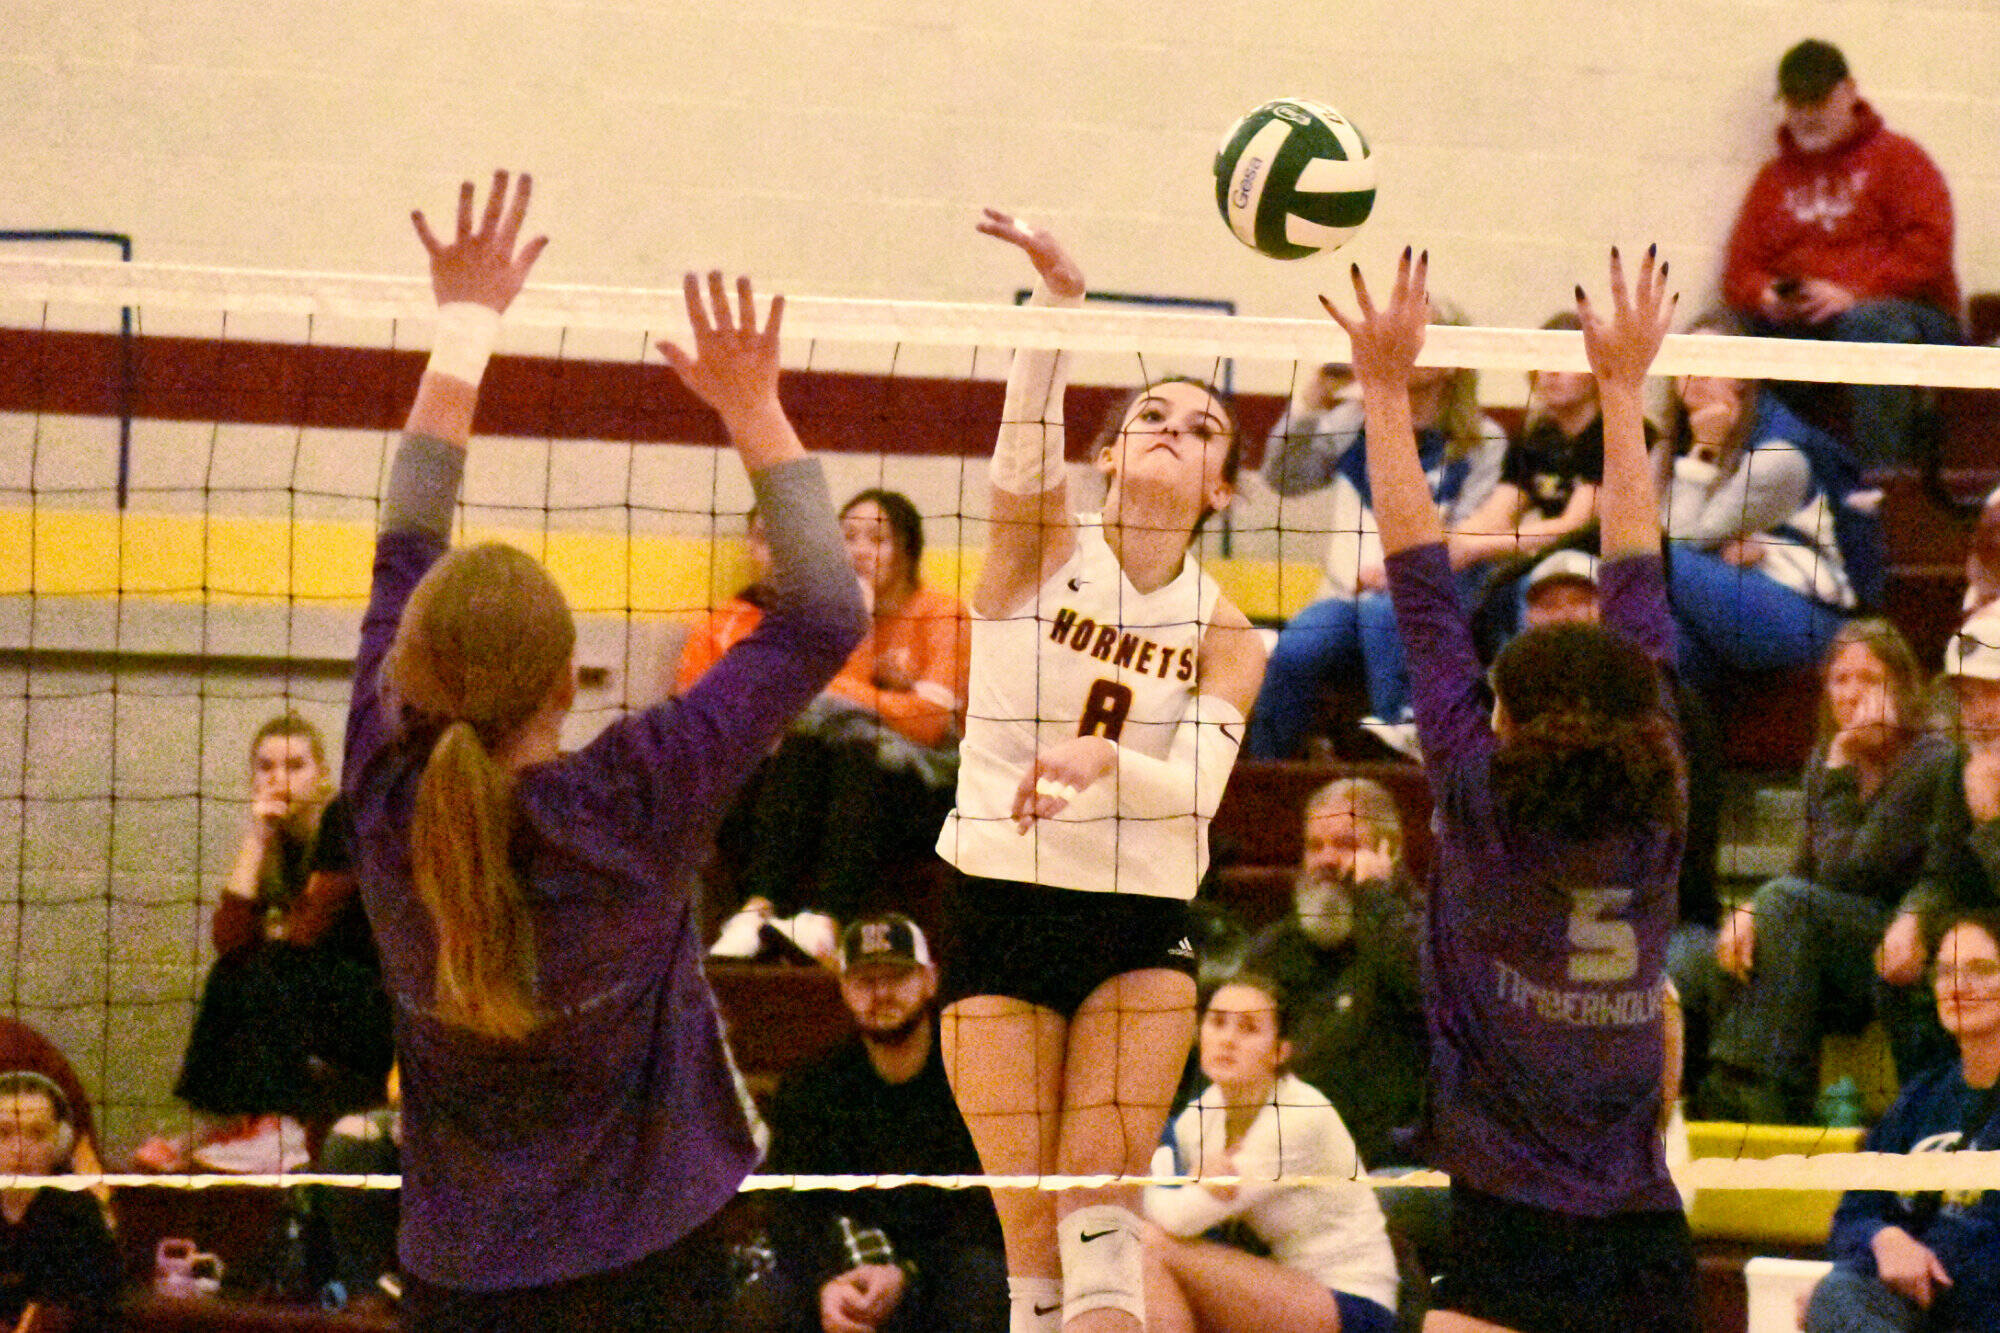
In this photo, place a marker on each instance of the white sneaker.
(268, 1145)
(741, 936)
(814, 933)
(1398, 736)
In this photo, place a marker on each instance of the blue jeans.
(1812, 971)
(1742, 618)
(1323, 638)
(1849, 1302)
(1879, 416)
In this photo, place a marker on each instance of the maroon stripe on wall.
(353, 388)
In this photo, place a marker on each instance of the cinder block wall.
(832, 147)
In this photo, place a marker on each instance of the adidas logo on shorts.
(1185, 949)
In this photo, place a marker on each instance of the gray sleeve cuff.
(808, 558)
(423, 486)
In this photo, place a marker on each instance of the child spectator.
(57, 1258)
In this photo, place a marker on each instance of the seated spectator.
(293, 1022)
(24, 1049)
(1757, 577)
(915, 1259)
(59, 1268)
(1846, 235)
(1795, 960)
(726, 625)
(1931, 1259)
(1350, 622)
(865, 775)
(1546, 498)
(1330, 1267)
(1345, 962)
(1961, 863)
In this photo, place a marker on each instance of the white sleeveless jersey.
(1088, 653)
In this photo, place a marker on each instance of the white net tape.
(103, 284)
(1823, 1171)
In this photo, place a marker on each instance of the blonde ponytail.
(484, 641)
(460, 844)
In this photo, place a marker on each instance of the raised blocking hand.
(482, 264)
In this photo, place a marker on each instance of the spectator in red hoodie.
(1846, 234)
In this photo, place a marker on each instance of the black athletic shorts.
(1539, 1271)
(1053, 947)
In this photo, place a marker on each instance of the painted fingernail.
(1614, 252)
(1355, 269)
(1663, 271)
(1652, 252)
(1406, 254)
(1579, 291)
(1424, 258)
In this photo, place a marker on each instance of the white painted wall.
(843, 146)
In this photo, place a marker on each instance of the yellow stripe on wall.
(223, 558)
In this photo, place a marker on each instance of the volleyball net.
(190, 466)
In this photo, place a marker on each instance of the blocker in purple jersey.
(1293, 178)
(1545, 959)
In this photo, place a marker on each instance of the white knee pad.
(1034, 1305)
(1103, 1266)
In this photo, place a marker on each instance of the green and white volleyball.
(1293, 178)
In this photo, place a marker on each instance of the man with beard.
(1346, 959)
(906, 1260)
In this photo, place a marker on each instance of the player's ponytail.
(484, 641)
(1588, 750)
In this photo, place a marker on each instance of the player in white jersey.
(1110, 679)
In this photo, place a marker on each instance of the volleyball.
(1293, 178)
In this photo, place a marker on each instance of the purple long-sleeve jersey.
(1544, 956)
(617, 1127)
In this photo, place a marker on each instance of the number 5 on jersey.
(1604, 950)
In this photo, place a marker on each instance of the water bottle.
(1840, 1104)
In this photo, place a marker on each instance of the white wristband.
(466, 331)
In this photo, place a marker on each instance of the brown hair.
(1232, 462)
(1373, 806)
(1887, 645)
(485, 638)
(1281, 1010)
(1590, 750)
(289, 723)
(1679, 432)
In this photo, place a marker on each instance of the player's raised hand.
(485, 263)
(734, 365)
(1057, 269)
(1385, 342)
(1622, 342)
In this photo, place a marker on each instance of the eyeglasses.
(1982, 972)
